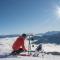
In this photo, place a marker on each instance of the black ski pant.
(17, 51)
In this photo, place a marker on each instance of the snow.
(51, 48)
(6, 43)
(46, 57)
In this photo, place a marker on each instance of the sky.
(29, 16)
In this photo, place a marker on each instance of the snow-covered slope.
(51, 47)
(6, 43)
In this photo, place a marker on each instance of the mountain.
(39, 34)
(51, 32)
(48, 37)
(12, 35)
(9, 36)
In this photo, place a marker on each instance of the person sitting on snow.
(18, 45)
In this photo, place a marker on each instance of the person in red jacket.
(18, 45)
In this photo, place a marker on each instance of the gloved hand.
(25, 49)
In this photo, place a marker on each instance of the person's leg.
(19, 51)
(16, 52)
(13, 53)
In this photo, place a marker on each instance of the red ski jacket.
(19, 43)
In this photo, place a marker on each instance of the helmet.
(24, 35)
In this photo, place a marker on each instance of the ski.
(23, 55)
(7, 55)
(4, 56)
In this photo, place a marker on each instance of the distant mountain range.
(9, 36)
(48, 37)
(52, 32)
